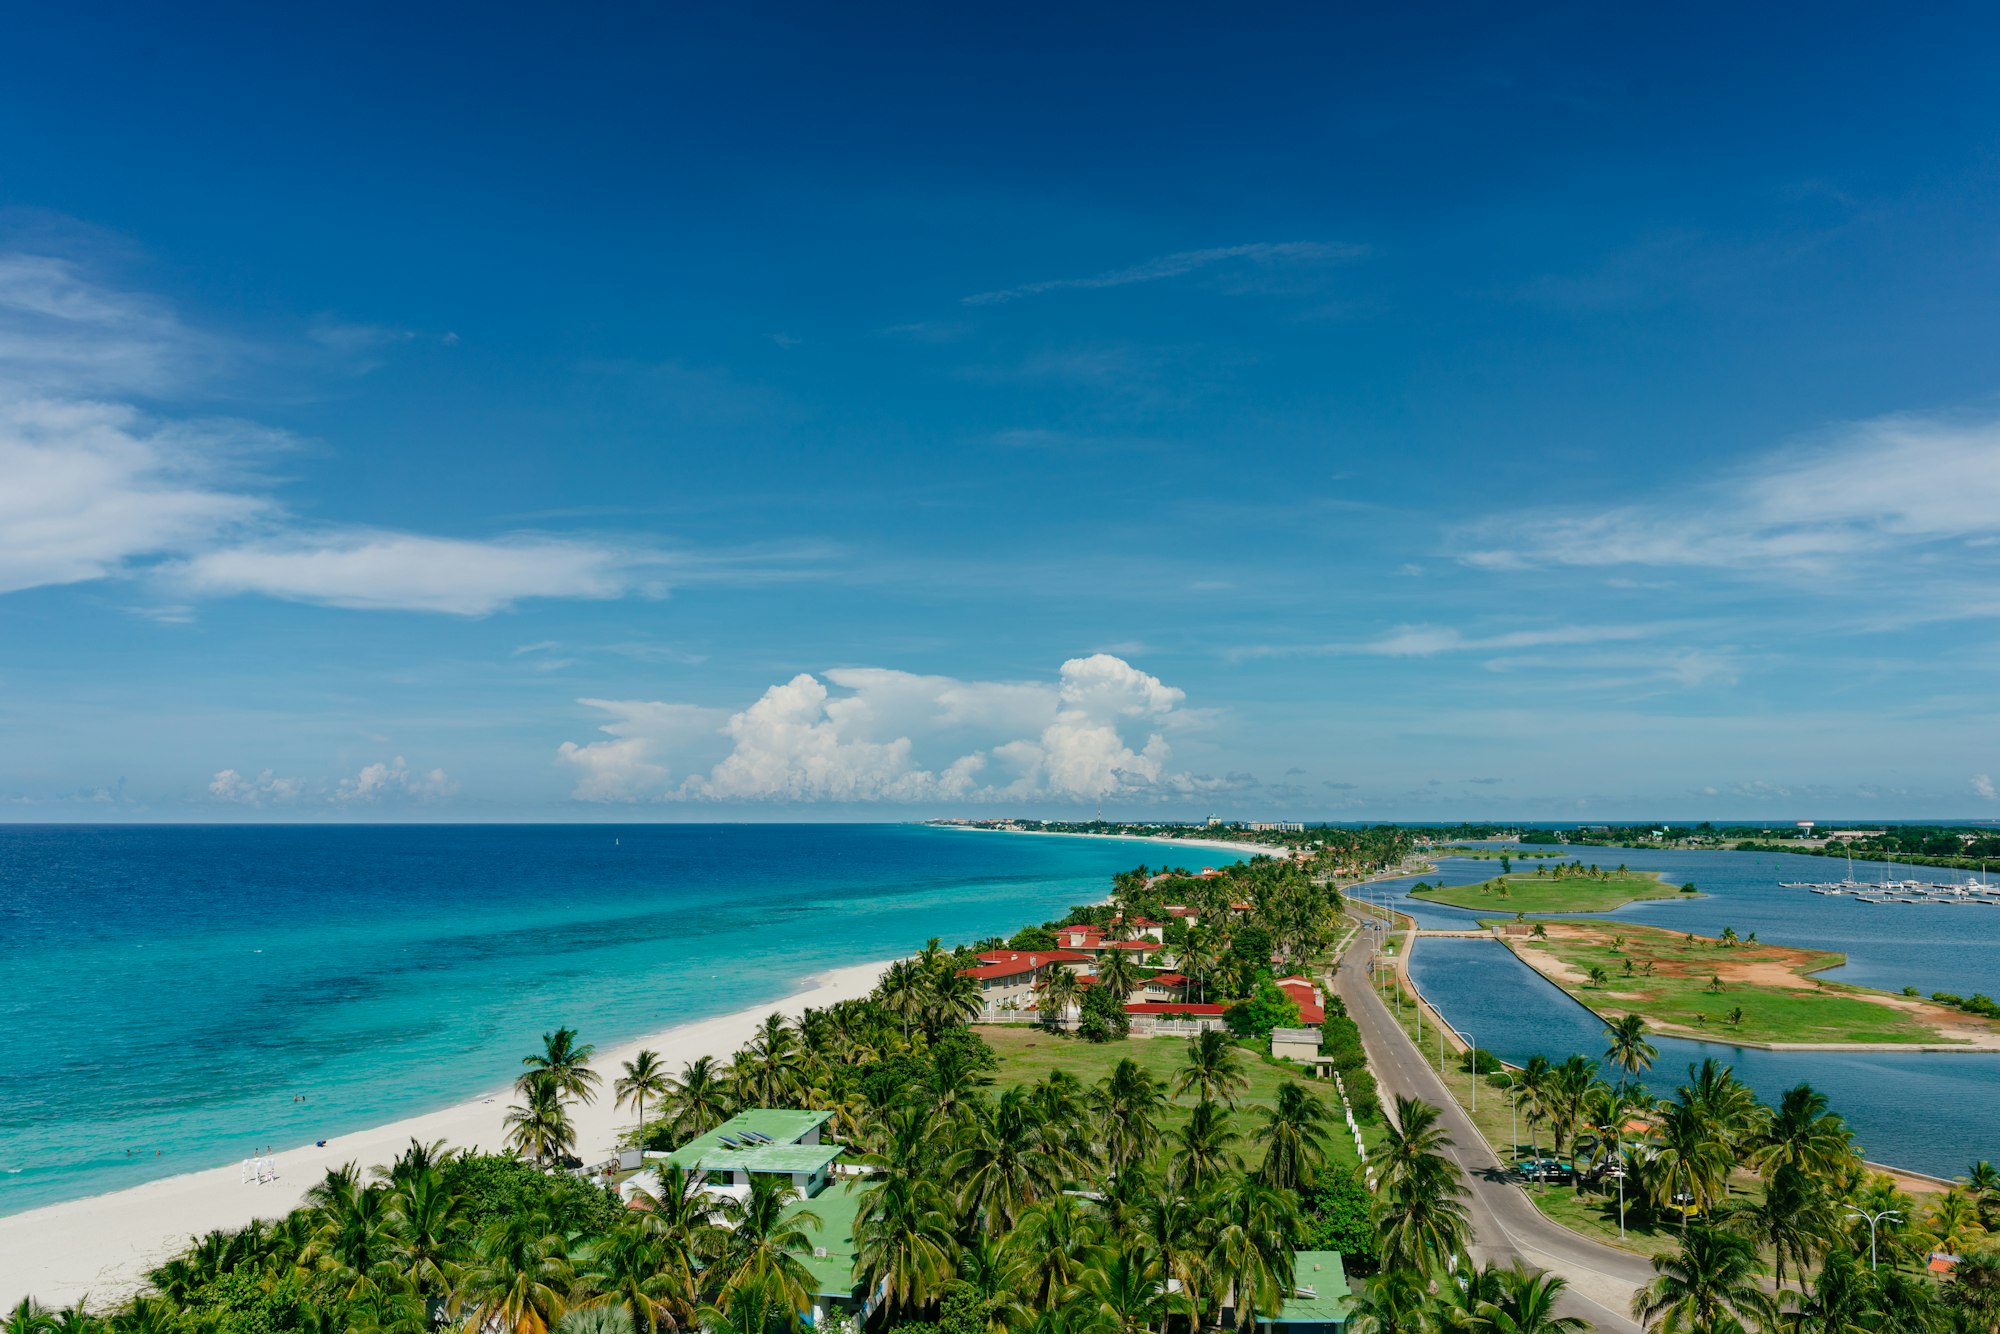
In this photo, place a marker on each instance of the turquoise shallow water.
(168, 990)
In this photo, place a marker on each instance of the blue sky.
(793, 412)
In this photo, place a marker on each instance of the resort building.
(1140, 928)
(762, 1141)
(1173, 1017)
(1008, 978)
(1164, 987)
(1301, 990)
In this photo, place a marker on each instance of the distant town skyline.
(800, 414)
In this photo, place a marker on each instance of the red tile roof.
(1147, 945)
(1171, 1007)
(1012, 963)
(1167, 980)
(1307, 996)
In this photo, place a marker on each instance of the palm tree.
(955, 999)
(1689, 1162)
(763, 1241)
(1008, 1160)
(1841, 1301)
(902, 989)
(540, 1128)
(631, 1271)
(1118, 973)
(1171, 1224)
(427, 1218)
(1057, 1243)
(1804, 1134)
(698, 1101)
(1531, 1095)
(1794, 1220)
(1125, 1295)
(1294, 1138)
(1424, 1223)
(1526, 1304)
(757, 1308)
(1060, 991)
(354, 1241)
(903, 1240)
(563, 1062)
(1249, 1254)
(1205, 1151)
(1711, 1280)
(645, 1076)
(1412, 1141)
(1213, 1072)
(1128, 1103)
(1627, 1048)
(520, 1277)
(1394, 1303)
(1983, 1180)
(766, 1068)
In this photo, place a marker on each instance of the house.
(1301, 990)
(1008, 978)
(835, 1286)
(761, 1141)
(1301, 1045)
(1164, 987)
(1173, 1016)
(1140, 928)
(1319, 1300)
(1079, 937)
(1138, 949)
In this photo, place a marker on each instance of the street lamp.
(1873, 1219)
(1472, 1064)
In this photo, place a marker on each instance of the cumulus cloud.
(878, 735)
(1983, 785)
(229, 785)
(392, 782)
(1881, 487)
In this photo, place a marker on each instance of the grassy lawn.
(1028, 1055)
(1552, 893)
(1766, 992)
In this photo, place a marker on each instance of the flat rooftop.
(733, 1147)
(833, 1273)
(1322, 1274)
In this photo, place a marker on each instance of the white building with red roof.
(1302, 990)
(1008, 978)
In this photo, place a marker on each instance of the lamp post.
(1472, 1064)
(1873, 1219)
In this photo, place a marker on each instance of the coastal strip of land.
(102, 1246)
(1742, 991)
(1554, 889)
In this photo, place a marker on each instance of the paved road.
(1505, 1223)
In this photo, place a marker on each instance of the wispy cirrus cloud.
(1263, 254)
(1875, 495)
(98, 487)
(1423, 641)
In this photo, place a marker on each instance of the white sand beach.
(1243, 849)
(101, 1247)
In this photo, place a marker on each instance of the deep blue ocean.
(170, 989)
(1931, 1112)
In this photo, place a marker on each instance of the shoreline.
(101, 1246)
(1248, 849)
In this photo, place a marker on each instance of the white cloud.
(1423, 641)
(375, 571)
(1983, 785)
(1263, 253)
(1882, 488)
(229, 785)
(879, 735)
(393, 782)
(91, 486)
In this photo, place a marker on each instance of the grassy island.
(1553, 889)
(1729, 989)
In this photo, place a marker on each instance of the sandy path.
(101, 1247)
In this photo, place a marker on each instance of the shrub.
(1102, 1017)
(1488, 1063)
(1339, 1215)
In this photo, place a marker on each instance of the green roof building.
(1319, 1301)
(836, 1287)
(762, 1141)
